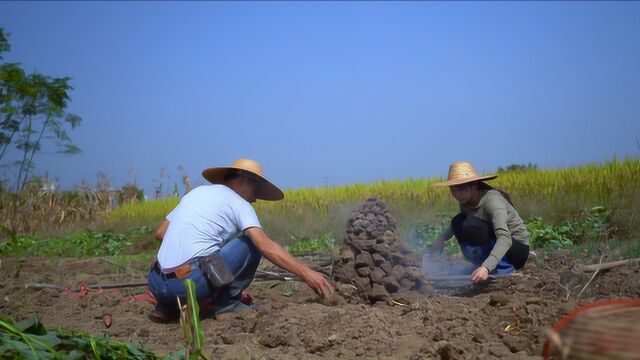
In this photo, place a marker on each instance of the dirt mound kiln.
(376, 261)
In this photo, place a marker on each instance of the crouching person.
(214, 238)
(488, 228)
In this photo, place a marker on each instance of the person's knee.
(478, 231)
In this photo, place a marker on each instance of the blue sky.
(332, 93)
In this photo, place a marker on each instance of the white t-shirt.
(202, 222)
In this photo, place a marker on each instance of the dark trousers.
(477, 238)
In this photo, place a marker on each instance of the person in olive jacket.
(488, 228)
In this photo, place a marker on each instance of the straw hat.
(463, 172)
(266, 190)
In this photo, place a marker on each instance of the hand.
(480, 274)
(319, 284)
(281, 258)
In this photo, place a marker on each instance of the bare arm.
(161, 230)
(446, 234)
(437, 246)
(280, 257)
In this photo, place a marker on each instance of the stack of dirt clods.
(376, 261)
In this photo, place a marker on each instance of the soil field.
(506, 319)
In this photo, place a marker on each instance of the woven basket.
(607, 329)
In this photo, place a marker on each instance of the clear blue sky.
(332, 93)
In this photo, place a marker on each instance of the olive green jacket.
(507, 224)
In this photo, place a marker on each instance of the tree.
(518, 167)
(4, 43)
(32, 110)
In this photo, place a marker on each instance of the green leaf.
(10, 233)
(194, 318)
(135, 351)
(75, 355)
(7, 327)
(288, 292)
(94, 348)
(74, 120)
(4, 42)
(178, 355)
(25, 351)
(195, 355)
(305, 244)
(15, 344)
(50, 339)
(32, 326)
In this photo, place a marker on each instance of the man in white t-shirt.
(219, 218)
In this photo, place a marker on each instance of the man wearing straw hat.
(214, 238)
(488, 228)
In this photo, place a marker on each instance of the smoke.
(443, 265)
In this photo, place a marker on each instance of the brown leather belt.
(180, 272)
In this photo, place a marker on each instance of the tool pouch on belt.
(215, 270)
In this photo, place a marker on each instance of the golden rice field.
(554, 194)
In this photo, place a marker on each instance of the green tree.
(517, 167)
(32, 111)
(4, 43)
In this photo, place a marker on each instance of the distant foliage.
(549, 235)
(423, 237)
(130, 193)
(78, 244)
(517, 167)
(307, 245)
(42, 206)
(593, 225)
(33, 112)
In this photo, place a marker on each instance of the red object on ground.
(146, 296)
(627, 313)
(246, 298)
(107, 319)
(84, 290)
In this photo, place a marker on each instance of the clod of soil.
(376, 261)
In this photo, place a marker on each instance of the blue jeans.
(242, 259)
(477, 254)
(477, 239)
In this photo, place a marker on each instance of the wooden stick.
(590, 280)
(39, 286)
(260, 274)
(271, 275)
(604, 266)
(134, 283)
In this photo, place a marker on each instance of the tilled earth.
(506, 319)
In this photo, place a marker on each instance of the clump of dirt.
(376, 261)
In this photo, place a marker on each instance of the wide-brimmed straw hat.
(463, 172)
(266, 189)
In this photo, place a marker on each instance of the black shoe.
(161, 318)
